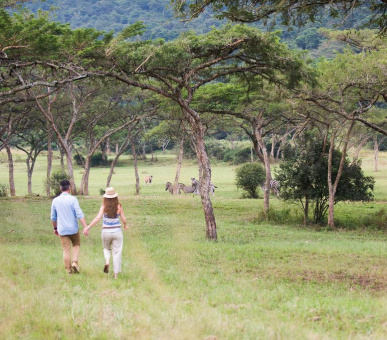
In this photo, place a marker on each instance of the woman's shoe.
(106, 268)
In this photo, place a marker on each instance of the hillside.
(114, 15)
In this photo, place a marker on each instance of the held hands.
(86, 231)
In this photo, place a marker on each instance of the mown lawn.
(276, 280)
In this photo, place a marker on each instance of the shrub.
(54, 181)
(3, 190)
(217, 148)
(303, 177)
(249, 176)
(238, 156)
(79, 159)
(97, 160)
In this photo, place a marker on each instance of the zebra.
(188, 189)
(197, 192)
(274, 187)
(169, 187)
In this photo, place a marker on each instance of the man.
(65, 213)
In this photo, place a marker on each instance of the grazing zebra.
(188, 189)
(274, 187)
(148, 179)
(169, 187)
(197, 192)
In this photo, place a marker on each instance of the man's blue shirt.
(66, 211)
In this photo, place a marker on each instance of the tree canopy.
(288, 12)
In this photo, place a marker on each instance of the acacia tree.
(177, 69)
(260, 111)
(172, 127)
(10, 124)
(64, 119)
(108, 114)
(120, 148)
(31, 46)
(32, 139)
(304, 171)
(350, 85)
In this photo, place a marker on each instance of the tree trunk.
(179, 163)
(10, 170)
(360, 146)
(205, 180)
(257, 149)
(204, 168)
(62, 154)
(103, 150)
(376, 154)
(109, 178)
(49, 160)
(273, 143)
(151, 149)
(278, 153)
(136, 169)
(119, 151)
(108, 147)
(70, 169)
(333, 186)
(84, 186)
(266, 163)
(29, 175)
(306, 211)
(144, 151)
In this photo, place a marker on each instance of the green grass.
(259, 281)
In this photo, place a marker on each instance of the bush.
(238, 156)
(249, 176)
(54, 181)
(79, 159)
(217, 148)
(303, 177)
(3, 190)
(97, 160)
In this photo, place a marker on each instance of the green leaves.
(287, 12)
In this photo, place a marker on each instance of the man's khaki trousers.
(67, 241)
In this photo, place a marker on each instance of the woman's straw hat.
(110, 193)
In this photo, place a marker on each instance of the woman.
(112, 238)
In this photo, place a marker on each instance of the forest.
(160, 22)
(272, 105)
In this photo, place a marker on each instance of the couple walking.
(65, 213)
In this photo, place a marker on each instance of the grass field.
(276, 280)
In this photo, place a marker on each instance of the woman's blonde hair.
(110, 206)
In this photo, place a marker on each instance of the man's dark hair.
(64, 185)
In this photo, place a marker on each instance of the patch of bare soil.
(369, 282)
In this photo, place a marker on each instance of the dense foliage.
(54, 180)
(250, 177)
(303, 177)
(116, 15)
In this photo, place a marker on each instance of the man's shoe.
(75, 268)
(106, 268)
